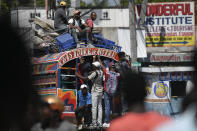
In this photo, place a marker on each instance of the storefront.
(169, 77)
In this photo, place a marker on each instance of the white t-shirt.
(97, 79)
(76, 23)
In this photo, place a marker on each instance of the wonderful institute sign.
(169, 24)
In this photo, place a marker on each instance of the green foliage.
(124, 3)
(96, 2)
(82, 4)
(4, 8)
(40, 3)
(103, 3)
(90, 5)
(68, 3)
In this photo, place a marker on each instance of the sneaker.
(90, 46)
(80, 127)
(93, 125)
(106, 125)
(99, 125)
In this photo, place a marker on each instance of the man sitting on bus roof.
(77, 27)
(60, 22)
(84, 106)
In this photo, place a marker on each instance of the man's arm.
(75, 27)
(80, 76)
(72, 26)
(102, 66)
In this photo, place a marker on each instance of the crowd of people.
(101, 81)
(75, 25)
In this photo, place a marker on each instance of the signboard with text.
(77, 53)
(169, 24)
(171, 57)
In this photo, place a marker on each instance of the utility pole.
(35, 8)
(132, 28)
(142, 14)
(46, 7)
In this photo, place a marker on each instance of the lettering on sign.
(169, 24)
(77, 53)
(170, 57)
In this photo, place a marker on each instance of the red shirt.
(90, 23)
(138, 122)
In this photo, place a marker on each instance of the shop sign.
(169, 24)
(135, 64)
(171, 57)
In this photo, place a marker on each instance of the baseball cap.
(96, 64)
(83, 86)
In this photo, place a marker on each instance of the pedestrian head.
(121, 56)
(50, 111)
(81, 60)
(62, 4)
(93, 16)
(96, 65)
(134, 87)
(84, 89)
(76, 14)
(55, 103)
(111, 66)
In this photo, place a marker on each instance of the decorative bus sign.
(77, 53)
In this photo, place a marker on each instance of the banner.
(69, 96)
(77, 53)
(169, 24)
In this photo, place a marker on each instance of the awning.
(166, 69)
